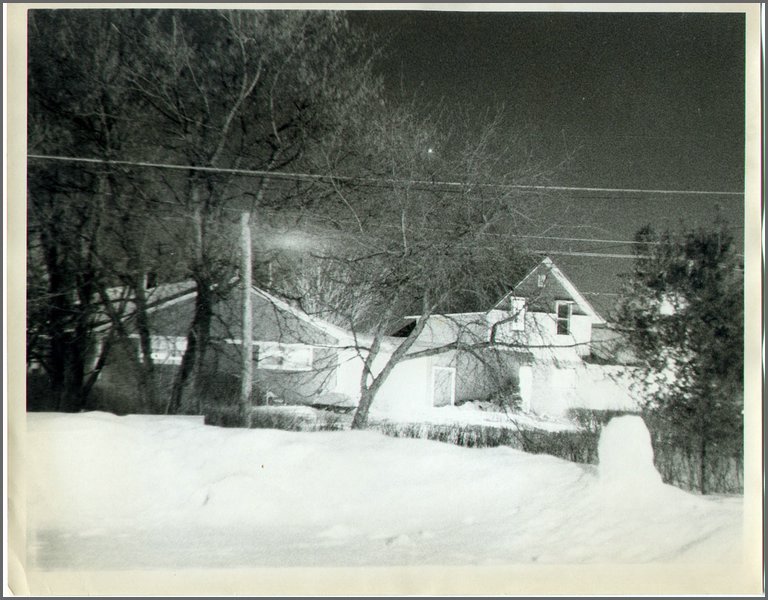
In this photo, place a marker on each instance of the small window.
(542, 279)
(564, 318)
(284, 357)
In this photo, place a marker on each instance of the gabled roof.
(550, 268)
(166, 295)
(161, 296)
(328, 328)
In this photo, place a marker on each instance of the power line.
(290, 176)
(591, 254)
(573, 239)
(554, 252)
(398, 227)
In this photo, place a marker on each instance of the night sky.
(651, 101)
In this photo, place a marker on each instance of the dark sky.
(652, 101)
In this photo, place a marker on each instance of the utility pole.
(246, 375)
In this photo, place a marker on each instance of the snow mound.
(108, 492)
(626, 454)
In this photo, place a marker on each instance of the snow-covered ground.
(108, 492)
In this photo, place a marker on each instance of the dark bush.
(678, 465)
(40, 396)
(286, 418)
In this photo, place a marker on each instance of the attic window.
(563, 318)
(541, 280)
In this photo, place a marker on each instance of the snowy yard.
(107, 492)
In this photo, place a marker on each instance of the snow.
(108, 492)
(625, 454)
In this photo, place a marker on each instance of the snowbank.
(625, 454)
(141, 491)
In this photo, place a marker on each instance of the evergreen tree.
(683, 314)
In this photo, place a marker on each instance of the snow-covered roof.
(169, 294)
(334, 331)
(157, 297)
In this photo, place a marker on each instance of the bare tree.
(418, 233)
(215, 91)
(239, 90)
(78, 105)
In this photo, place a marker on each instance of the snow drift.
(147, 491)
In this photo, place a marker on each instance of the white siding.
(605, 388)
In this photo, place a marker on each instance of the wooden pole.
(247, 332)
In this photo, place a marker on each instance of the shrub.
(577, 446)
(678, 465)
(286, 418)
(675, 457)
(593, 420)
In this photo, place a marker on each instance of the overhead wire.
(294, 176)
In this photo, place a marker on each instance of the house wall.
(348, 372)
(118, 380)
(410, 385)
(540, 334)
(484, 375)
(539, 331)
(299, 387)
(549, 388)
(406, 389)
(606, 387)
(445, 329)
(223, 360)
(117, 391)
(552, 389)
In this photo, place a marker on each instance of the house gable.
(545, 288)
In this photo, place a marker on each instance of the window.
(284, 357)
(542, 279)
(168, 350)
(517, 318)
(564, 318)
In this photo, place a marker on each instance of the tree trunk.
(69, 327)
(187, 386)
(101, 361)
(181, 381)
(369, 390)
(703, 464)
(360, 420)
(147, 368)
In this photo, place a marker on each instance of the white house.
(534, 341)
(298, 358)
